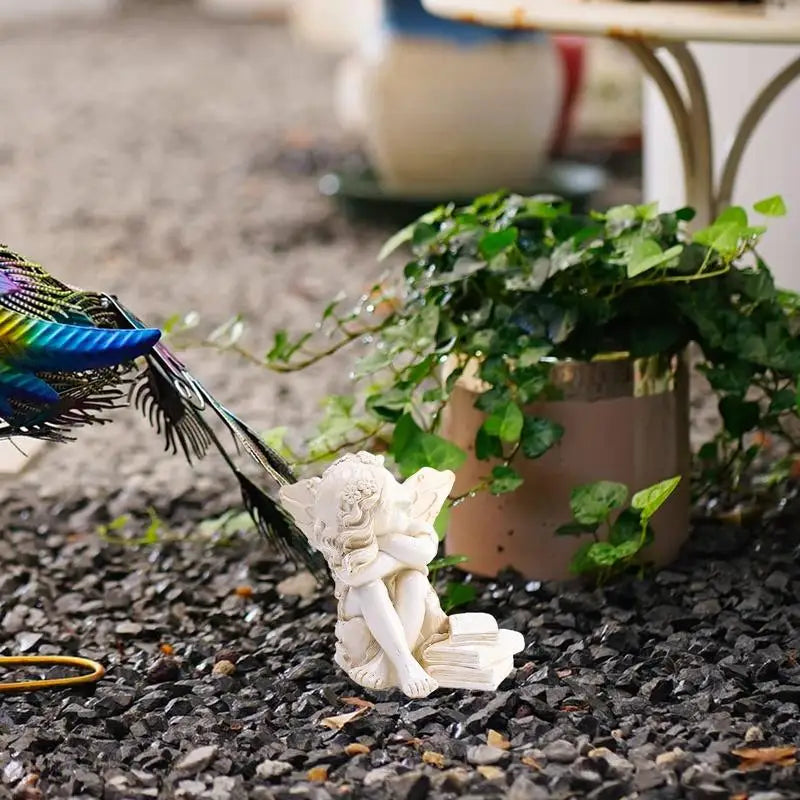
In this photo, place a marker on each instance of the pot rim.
(607, 376)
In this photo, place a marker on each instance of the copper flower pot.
(624, 421)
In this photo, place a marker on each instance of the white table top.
(688, 20)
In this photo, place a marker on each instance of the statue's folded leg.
(410, 590)
(385, 625)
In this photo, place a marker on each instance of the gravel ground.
(148, 156)
(645, 689)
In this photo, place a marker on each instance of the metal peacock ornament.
(67, 357)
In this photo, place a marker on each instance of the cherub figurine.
(377, 536)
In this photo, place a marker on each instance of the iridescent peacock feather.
(67, 357)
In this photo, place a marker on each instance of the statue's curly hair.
(353, 544)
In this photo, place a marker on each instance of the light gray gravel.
(139, 155)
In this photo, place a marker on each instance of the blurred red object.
(573, 52)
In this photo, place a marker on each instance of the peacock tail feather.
(67, 357)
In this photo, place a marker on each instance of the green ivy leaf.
(494, 370)
(647, 255)
(505, 479)
(442, 521)
(495, 242)
(733, 215)
(446, 561)
(487, 446)
(389, 404)
(627, 526)
(373, 362)
(458, 594)
(649, 500)
(591, 503)
(505, 422)
(722, 238)
(782, 400)
(412, 449)
(281, 347)
(603, 554)
(708, 452)
(532, 356)
(397, 240)
(725, 233)
(771, 206)
(647, 211)
(739, 415)
(539, 435)
(422, 233)
(627, 549)
(491, 400)
(580, 562)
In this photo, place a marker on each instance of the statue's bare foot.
(415, 682)
(371, 675)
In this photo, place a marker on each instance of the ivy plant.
(629, 530)
(510, 284)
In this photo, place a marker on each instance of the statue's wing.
(429, 489)
(298, 500)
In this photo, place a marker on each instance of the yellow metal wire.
(96, 671)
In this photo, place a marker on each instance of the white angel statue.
(377, 536)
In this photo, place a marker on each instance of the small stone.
(378, 776)
(524, 788)
(491, 773)
(273, 769)
(670, 757)
(128, 628)
(301, 584)
(483, 754)
(165, 670)
(228, 654)
(223, 667)
(221, 789)
(456, 780)
(754, 734)
(91, 783)
(647, 778)
(179, 707)
(27, 641)
(198, 759)
(410, 786)
(777, 580)
(561, 751)
(617, 764)
(13, 772)
(657, 690)
(189, 790)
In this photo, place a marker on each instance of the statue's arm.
(414, 551)
(381, 567)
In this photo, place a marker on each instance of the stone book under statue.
(378, 538)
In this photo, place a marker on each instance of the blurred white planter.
(22, 10)
(443, 118)
(349, 100)
(334, 26)
(246, 9)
